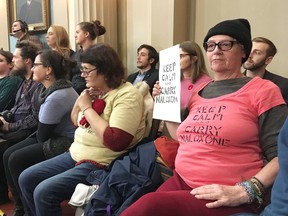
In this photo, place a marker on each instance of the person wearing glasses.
(262, 54)
(227, 156)
(22, 119)
(55, 130)
(110, 121)
(193, 71)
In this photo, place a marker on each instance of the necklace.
(98, 93)
(103, 93)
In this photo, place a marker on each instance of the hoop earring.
(47, 77)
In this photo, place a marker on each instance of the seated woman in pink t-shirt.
(227, 157)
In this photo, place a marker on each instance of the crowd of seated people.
(25, 121)
(76, 112)
(227, 156)
(55, 130)
(105, 130)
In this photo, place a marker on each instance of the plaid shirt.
(26, 106)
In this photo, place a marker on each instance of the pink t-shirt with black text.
(219, 140)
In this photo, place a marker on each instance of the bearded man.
(22, 119)
(262, 53)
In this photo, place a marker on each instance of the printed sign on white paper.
(167, 104)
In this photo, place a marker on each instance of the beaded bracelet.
(254, 189)
(249, 190)
(258, 184)
(259, 189)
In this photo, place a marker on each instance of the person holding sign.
(227, 157)
(193, 72)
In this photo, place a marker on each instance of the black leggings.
(11, 138)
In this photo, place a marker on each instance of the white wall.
(154, 22)
(4, 43)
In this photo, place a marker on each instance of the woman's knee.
(41, 191)
(144, 205)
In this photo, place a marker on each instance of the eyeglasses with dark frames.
(222, 45)
(87, 73)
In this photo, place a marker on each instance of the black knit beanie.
(238, 29)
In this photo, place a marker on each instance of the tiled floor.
(66, 209)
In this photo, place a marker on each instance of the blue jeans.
(46, 184)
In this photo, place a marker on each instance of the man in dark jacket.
(147, 59)
(262, 53)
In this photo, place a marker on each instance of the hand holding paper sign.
(156, 90)
(167, 98)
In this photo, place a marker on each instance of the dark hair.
(8, 55)
(107, 62)
(199, 66)
(272, 50)
(60, 65)
(29, 50)
(23, 25)
(152, 54)
(94, 28)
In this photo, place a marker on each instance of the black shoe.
(18, 212)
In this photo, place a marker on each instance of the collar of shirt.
(139, 77)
